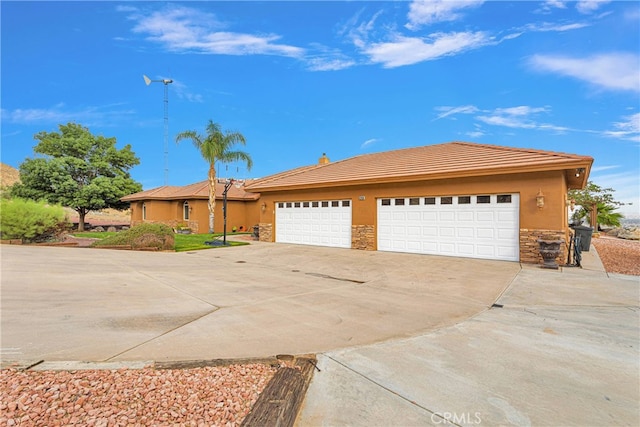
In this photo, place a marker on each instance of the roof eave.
(569, 164)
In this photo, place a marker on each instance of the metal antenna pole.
(166, 82)
(166, 131)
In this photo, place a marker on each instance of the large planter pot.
(550, 250)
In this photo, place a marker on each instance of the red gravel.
(220, 396)
(618, 255)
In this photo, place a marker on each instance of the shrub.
(158, 236)
(30, 221)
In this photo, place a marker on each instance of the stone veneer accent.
(363, 237)
(529, 247)
(265, 231)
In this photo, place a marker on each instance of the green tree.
(597, 204)
(216, 146)
(79, 170)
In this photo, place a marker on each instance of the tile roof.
(448, 160)
(199, 190)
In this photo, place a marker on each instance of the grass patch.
(95, 234)
(194, 242)
(183, 242)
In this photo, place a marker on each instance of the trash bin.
(585, 234)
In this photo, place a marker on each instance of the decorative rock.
(98, 229)
(112, 229)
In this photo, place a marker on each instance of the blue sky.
(347, 78)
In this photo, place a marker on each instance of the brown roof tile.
(449, 160)
(199, 190)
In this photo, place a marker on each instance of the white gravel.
(211, 396)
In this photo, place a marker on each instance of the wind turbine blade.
(147, 80)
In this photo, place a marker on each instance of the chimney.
(324, 159)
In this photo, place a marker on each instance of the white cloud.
(617, 71)
(555, 3)
(628, 129)
(183, 29)
(368, 142)
(87, 116)
(448, 111)
(329, 64)
(550, 26)
(589, 6)
(411, 50)
(183, 92)
(423, 12)
(475, 134)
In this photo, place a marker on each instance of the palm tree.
(605, 214)
(216, 146)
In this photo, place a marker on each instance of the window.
(315, 204)
(335, 204)
(484, 199)
(185, 211)
(399, 202)
(464, 200)
(296, 204)
(429, 200)
(325, 204)
(305, 204)
(414, 201)
(504, 198)
(346, 203)
(144, 210)
(386, 202)
(281, 205)
(446, 200)
(289, 204)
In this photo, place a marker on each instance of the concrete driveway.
(402, 340)
(250, 301)
(562, 351)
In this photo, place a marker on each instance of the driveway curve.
(249, 301)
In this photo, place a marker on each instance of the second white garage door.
(475, 226)
(320, 223)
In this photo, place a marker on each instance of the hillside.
(8, 175)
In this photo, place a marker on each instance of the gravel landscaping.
(618, 255)
(211, 396)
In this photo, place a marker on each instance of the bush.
(30, 221)
(158, 236)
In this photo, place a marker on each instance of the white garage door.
(474, 226)
(320, 223)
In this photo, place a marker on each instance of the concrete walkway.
(563, 350)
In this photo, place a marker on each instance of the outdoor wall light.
(263, 207)
(540, 199)
(579, 172)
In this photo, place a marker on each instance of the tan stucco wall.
(240, 213)
(552, 216)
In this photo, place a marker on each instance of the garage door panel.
(465, 232)
(429, 216)
(486, 250)
(468, 229)
(447, 216)
(430, 231)
(465, 216)
(447, 232)
(314, 223)
(465, 249)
